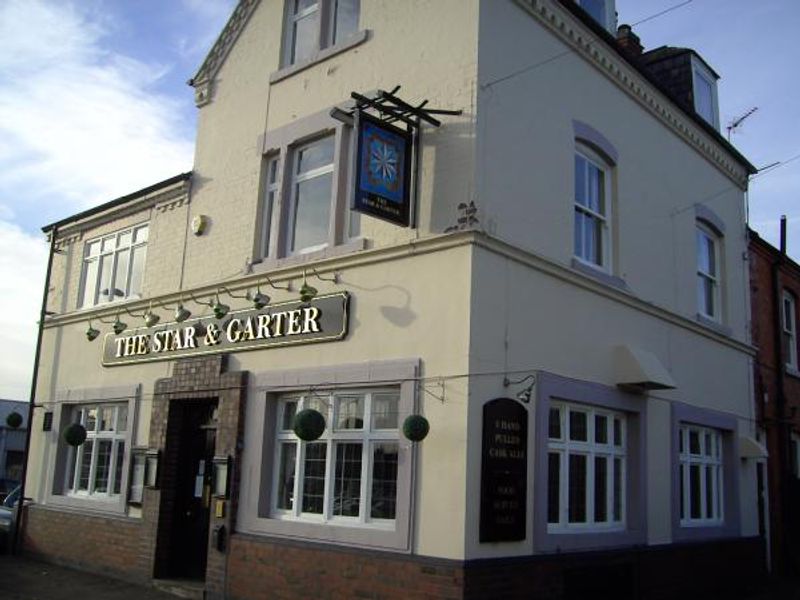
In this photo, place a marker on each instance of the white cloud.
(23, 259)
(81, 122)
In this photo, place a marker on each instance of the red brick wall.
(259, 568)
(106, 545)
(785, 550)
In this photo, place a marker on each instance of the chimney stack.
(629, 41)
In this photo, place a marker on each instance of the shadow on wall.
(400, 315)
(451, 180)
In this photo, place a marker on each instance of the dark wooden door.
(189, 536)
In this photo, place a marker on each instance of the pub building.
(419, 322)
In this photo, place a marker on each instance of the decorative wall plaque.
(504, 467)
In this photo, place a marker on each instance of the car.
(8, 511)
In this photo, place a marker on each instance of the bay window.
(349, 475)
(96, 466)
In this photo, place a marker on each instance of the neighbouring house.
(774, 290)
(496, 218)
(13, 430)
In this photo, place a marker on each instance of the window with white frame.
(313, 25)
(349, 475)
(700, 475)
(602, 11)
(708, 283)
(113, 266)
(96, 466)
(704, 87)
(586, 458)
(311, 191)
(592, 210)
(789, 333)
(304, 204)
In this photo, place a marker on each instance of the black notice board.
(504, 467)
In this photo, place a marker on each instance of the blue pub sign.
(383, 170)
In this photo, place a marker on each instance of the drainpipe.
(16, 546)
(780, 369)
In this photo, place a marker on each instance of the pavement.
(26, 579)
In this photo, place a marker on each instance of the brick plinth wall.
(110, 546)
(259, 568)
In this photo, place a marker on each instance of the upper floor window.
(602, 11)
(113, 266)
(586, 456)
(592, 223)
(700, 475)
(704, 86)
(96, 465)
(789, 333)
(708, 301)
(312, 25)
(304, 204)
(349, 475)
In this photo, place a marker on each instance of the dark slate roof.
(119, 201)
(601, 33)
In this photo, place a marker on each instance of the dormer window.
(704, 84)
(602, 11)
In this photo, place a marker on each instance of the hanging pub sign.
(504, 468)
(382, 170)
(322, 319)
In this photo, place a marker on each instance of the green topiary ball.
(14, 420)
(308, 424)
(416, 428)
(75, 434)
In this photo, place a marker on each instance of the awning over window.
(751, 448)
(640, 370)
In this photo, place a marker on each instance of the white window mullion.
(330, 474)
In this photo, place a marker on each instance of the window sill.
(599, 274)
(107, 507)
(269, 264)
(792, 371)
(352, 41)
(715, 325)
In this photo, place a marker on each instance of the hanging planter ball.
(75, 434)
(309, 424)
(416, 428)
(14, 420)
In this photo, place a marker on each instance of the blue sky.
(94, 105)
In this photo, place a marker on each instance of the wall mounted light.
(259, 299)
(92, 333)
(151, 319)
(118, 326)
(524, 395)
(151, 468)
(138, 469)
(221, 476)
(182, 313)
(307, 292)
(219, 309)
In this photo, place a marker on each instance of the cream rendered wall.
(525, 155)
(524, 320)
(399, 310)
(245, 105)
